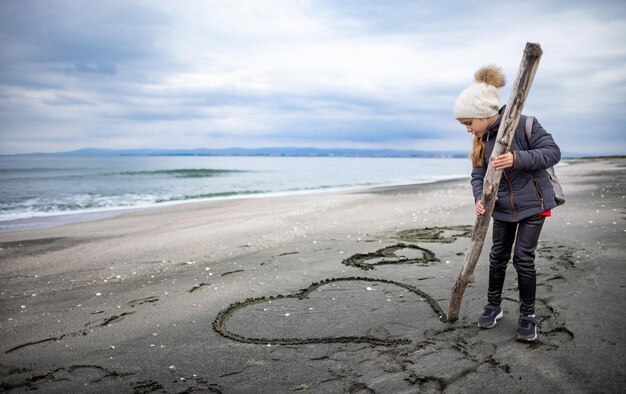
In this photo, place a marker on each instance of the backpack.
(559, 196)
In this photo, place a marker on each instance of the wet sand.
(327, 292)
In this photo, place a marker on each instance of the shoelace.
(526, 321)
(489, 311)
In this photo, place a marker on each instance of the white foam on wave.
(36, 214)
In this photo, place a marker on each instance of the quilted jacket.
(525, 189)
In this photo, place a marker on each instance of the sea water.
(37, 187)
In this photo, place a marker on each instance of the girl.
(525, 196)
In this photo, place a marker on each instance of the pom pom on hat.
(482, 99)
(491, 75)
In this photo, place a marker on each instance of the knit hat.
(481, 100)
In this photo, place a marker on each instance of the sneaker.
(526, 328)
(490, 316)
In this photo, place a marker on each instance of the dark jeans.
(526, 235)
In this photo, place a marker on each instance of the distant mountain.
(275, 151)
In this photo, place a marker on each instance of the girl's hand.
(504, 161)
(479, 208)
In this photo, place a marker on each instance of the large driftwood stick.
(510, 119)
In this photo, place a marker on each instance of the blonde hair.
(478, 151)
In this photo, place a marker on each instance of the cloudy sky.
(341, 74)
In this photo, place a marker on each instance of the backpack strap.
(528, 127)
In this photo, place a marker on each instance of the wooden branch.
(510, 119)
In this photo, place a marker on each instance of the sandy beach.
(323, 293)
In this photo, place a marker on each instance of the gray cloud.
(355, 73)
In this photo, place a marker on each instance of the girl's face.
(475, 126)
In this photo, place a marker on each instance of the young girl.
(525, 195)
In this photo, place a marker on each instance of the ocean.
(46, 191)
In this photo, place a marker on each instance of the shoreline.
(49, 220)
(87, 215)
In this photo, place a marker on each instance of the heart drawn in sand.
(446, 234)
(386, 310)
(394, 254)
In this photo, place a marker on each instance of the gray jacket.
(525, 189)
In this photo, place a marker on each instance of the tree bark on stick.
(510, 119)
